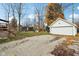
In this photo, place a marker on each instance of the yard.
(31, 46)
(38, 43)
(21, 35)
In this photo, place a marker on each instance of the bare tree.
(7, 9)
(37, 18)
(16, 9)
(19, 9)
(13, 9)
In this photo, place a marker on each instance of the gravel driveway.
(31, 46)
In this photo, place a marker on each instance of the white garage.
(63, 27)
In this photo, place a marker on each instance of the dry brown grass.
(62, 50)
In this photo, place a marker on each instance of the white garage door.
(63, 30)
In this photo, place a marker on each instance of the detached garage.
(63, 27)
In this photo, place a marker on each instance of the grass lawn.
(76, 36)
(21, 35)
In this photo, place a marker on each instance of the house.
(63, 27)
(3, 28)
(3, 25)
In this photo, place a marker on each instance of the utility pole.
(73, 16)
(73, 12)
